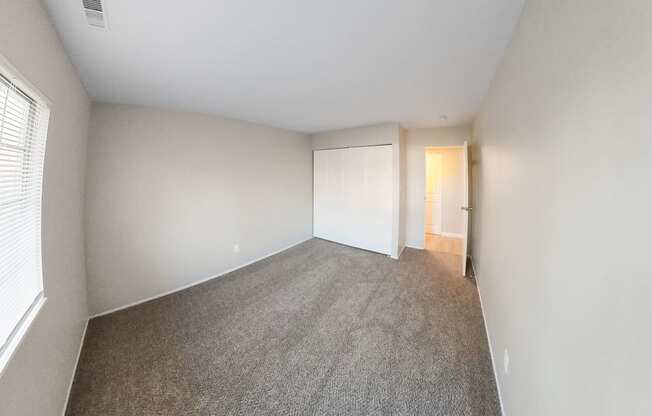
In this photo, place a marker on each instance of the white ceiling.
(306, 65)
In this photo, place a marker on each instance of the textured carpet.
(320, 329)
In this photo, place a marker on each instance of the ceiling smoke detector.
(95, 13)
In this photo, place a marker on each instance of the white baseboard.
(74, 370)
(452, 235)
(491, 350)
(415, 247)
(169, 292)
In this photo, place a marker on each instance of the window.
(23, 130)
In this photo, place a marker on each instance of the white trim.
(472, 266)
(415, 247)
(74, 370)
(169, 292)
(444, 147)
(400, 251)
(486, 329)
(20, 332)
(9, 346)
(22, 82)
(452, 235)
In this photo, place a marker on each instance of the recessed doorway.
(444, 197)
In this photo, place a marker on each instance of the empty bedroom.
(363, 207)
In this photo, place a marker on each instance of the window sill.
(18, 336)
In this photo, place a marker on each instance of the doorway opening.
(446, 195)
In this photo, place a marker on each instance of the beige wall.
(169, 194)
(417, 141)
(36, 380)
(388, 133)
(563, 166)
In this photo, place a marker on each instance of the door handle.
(468, 209)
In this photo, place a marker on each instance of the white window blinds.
(23, 130)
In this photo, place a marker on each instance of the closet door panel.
(353, 196)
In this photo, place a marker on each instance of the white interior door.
(433, 211)
(353, 202)
(466, 209)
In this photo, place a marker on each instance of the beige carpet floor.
(319, 329)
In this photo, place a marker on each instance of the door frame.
(395, 214)
(425, 174)
(466, 208)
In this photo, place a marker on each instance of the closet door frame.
(358, 213)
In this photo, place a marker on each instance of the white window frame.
(23, 326)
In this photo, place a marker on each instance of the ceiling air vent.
(94, 13)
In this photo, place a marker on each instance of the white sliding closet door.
(353, 196)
